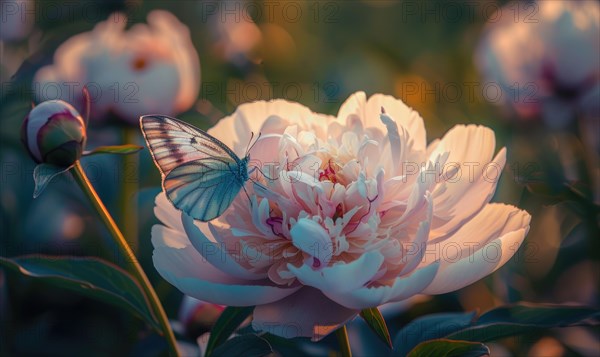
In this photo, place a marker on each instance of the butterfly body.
(200, 175)
(243, 168)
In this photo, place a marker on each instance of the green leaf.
(430, 327)
(92, 277)
(449, 348)
(376, 322)
(521, 318)
(247, 345)
(497, 323)
(228, 322)
(43, 174)
(116, 149)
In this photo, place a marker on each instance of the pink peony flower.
(545, 55)
(146, 69)
(358, 211)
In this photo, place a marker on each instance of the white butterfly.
(200, 175)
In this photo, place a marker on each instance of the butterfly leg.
(247, 195)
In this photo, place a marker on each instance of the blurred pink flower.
(545, 55)
(146, 69)
(198, 316)
(236, 36)
(358, 212)
(18, 18)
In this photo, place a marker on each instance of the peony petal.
(264, 155)
(457, 202)
(275, 125)
(213, 252)
(418, 199)
(467, 143)
(341, 277)
(353, 106)
(169, 247)
(311, 238)
(465, 260)
(469, 176)
(208, 284)
(225, 131)
(168, 237)
(393, 139)
(402, 288)
(419, 242)
(492, 222)
(306, 313)
(182, 266)
(369, 110)
(167, 213)
(235, 130)
(471, 269)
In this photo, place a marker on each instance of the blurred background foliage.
(317, 57)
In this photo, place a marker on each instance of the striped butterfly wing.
(200, 175)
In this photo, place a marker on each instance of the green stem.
(129, 188)
(342, 336)
(133, 266)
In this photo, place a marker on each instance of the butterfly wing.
(173, 142)
(203, 188)
(201, 175)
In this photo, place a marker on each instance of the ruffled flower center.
(322, 207)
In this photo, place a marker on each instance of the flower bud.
(54, 133)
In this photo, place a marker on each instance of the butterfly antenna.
(249, 147)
